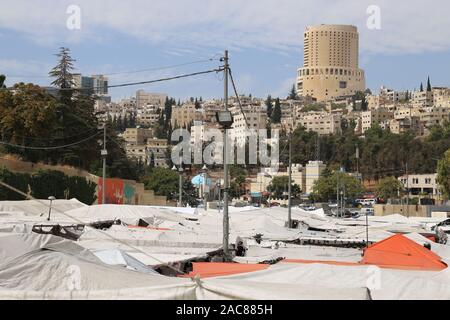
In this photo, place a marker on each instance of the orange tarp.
(217, 269)
(399, 252)
(335, 263)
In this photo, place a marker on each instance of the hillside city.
(104, 198)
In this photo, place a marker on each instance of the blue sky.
(264, 38)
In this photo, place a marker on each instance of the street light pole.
(104, 153)
(290, 183)
(180, 187)
(226, 227)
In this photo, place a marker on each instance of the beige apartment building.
(158, 147)
(321, 122)
(407, 124)
(441, 97)
(255, 118)
(432, 116)
(331, 63)
(143, 98)
(313, 171)
(379, 116)
(185, 115)
(137, 136)
(421, 184)
(422, 99)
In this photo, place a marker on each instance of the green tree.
(389, 188)
(293, 94)
(163, 181)
(62, 72)
(325, 188)
(443, 170)
(429, 85)
(276, 114)
(17, 180)
(269, 106)
(2, 81)
(279, 187)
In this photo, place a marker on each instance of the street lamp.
(225, 120)
(180, 184)
(51, 198)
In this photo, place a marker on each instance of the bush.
(45, 184)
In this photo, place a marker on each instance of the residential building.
(407, 124)
(323, 123)
(143, 98)
(379, 116)
(432, 116)
(441, 97)
(159, 148)
(331, 63)
(422, 99)
(183, 116)
(313, 171)
(421, 184)
(137, 136)
(95, 84)
(250, 117)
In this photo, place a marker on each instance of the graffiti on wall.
(118, 191)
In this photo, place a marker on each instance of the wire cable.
(49, 148)
(237, 97)
(220, 69)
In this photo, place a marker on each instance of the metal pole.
(290, 184)
(407, 191)
(337, 194)
(104, 154)
(367, 229)
(226, 227)
(180, 188)
(49, 210)
(205, 205)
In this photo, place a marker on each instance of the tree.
(2, 81)
(279, 187)
(276, 114)
(421, 87)
(429, 85)
(293, 94)
(325, 188)
(443, 170)
(389, 188)
(62, 72)
(163, 181)
(17, 180)
(269, 106)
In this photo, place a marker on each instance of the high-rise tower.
(331, 63)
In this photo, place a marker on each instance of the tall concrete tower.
(331, 63)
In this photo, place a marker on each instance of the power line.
(132, 71)
(49, 148)
(238, 99)
(133, 83)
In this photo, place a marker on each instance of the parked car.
(366, 202)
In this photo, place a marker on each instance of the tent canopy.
(217, 269)
(402, 253)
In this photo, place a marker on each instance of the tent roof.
(217, 269)
(402, 253)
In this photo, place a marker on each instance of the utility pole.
(290, 183)
(407, 191)
(226, 227)
(180, 187)
(104, 153)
